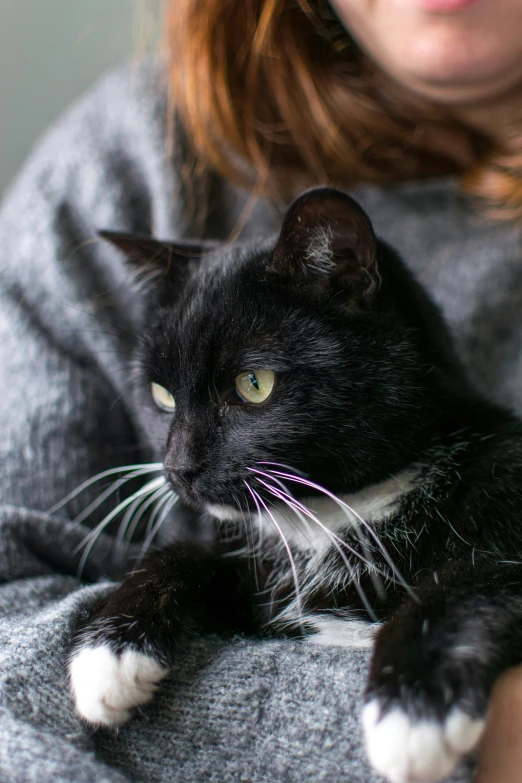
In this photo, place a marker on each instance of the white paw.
(107, 686)
(406, 750)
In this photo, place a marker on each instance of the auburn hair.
(275, 95)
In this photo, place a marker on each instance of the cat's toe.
(106, 686)
(405, 749)
(462, 732)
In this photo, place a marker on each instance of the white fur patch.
(461, 732)
(106, 687)
(374, 503)
(341, 632)
(412, 751)
(225, 513)
(319, 254)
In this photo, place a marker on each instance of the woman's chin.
(454, 69)
(451, 51)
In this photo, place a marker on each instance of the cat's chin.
(221, 511)
(224, 513)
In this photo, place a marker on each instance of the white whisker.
(337, 542)
(288, 493)
(258, 499)
(93, 535)
(123, 527)
(296, 471)
(104, 495)
(170, 501)
(252, 549)
(165, 495)
(350, 514)
(145, 504)
(150, 467)
(373, 571)
(305, 510)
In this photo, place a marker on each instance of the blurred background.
(51, 51)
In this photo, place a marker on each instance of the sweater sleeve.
(67, 315)
(67, 323)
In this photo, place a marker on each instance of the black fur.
(366, 387)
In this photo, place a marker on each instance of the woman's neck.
(497, 118)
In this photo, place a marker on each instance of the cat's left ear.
(327, 241)
(155, 261)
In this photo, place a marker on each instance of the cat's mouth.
(185, 485)
(250, 494)
(200, 499)
(203, 491)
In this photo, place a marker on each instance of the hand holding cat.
(501, 748)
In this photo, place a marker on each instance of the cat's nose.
(183, 457)
(185, 475)
(182, 473)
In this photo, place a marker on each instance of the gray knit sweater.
(239, 710)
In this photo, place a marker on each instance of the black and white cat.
(308, 402)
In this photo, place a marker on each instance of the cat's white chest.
(314, 522)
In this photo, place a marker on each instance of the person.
(413, 105)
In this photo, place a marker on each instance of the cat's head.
(308, 349)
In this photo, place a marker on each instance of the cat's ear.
(327, 241)
(155, 261)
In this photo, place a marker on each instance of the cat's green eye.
(162, 397)
(255, 385)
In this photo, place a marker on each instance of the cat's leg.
(129, 643)
(433, 669)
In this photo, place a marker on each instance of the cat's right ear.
(327, 242)
(155, 262)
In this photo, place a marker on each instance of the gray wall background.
(51, 51)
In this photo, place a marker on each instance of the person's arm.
(68, 313)
(66, 322)
(501, 747)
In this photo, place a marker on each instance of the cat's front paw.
(106, 685)
(406, 748)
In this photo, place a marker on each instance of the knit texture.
(234, 710)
